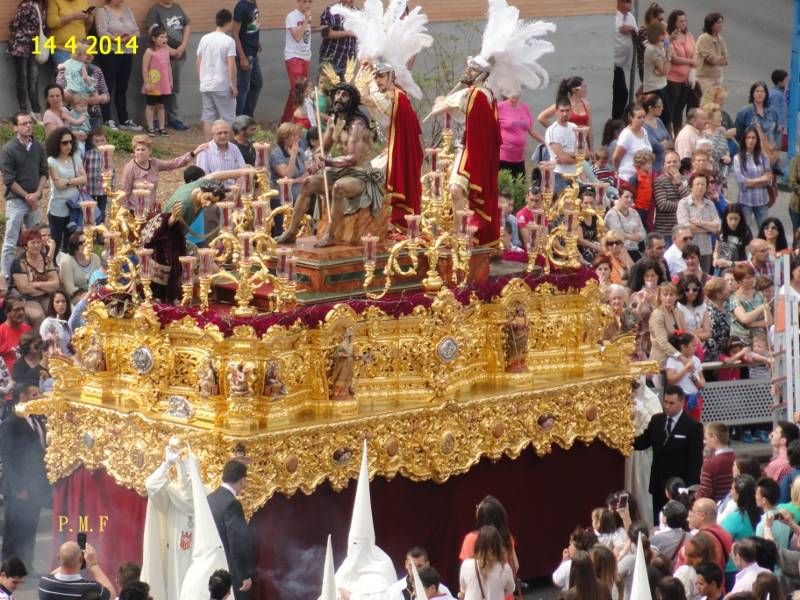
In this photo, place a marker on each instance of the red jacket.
(643, 190)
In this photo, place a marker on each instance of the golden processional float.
(436, 355)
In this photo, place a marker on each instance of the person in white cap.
(367, 571)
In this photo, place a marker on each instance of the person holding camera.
(69, 581)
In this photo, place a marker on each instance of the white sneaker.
(112, 125)
(131, 125)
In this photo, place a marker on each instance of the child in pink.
(157, 78)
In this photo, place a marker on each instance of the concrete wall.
(590, 57)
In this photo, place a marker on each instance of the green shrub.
(121, 140)
(512, 186)
(264, 135)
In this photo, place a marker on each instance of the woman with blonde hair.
(621, 262)
(487, 575)
(717, 94)
(716, 134)
(623, 319)
(664, 320)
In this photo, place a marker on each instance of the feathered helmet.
(388, 39)
(509, 50)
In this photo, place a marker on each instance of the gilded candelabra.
(433, 230)
(564, 215)
(125, 274)
(242, 250)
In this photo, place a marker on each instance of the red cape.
(480, 163)
(404, 164)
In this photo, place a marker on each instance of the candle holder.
(446, 149)
(146, 273)
(187, 278)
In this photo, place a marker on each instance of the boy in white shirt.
(297, 50)
(216, 69)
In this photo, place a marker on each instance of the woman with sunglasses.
(66, 177)
(621, 261)
(625, 220)
(772, 231)
(691, 303)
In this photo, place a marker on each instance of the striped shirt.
(61, 587)
(754, 196)
(667, 195)
(212, 159)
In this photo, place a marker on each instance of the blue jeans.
(248, 87)
(61, 56)
(795, 217)
(18, 212)
(513, 228)
(759, 213)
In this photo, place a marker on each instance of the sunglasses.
(614, 242)
(688, 238)
(692, 290)
(65, 142)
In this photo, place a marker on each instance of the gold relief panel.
(436, 389)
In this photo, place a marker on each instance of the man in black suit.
(24, 484)
(229, 518)
(677, 443)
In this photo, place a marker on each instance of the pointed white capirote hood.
(419, 589)
(361, 526)
(367, 571)
(208, 555)
(640, 590)
(328, 575)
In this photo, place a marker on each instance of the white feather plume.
(391, 37)
(511, 46)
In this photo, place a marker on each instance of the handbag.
(83, 195)
(44, 51)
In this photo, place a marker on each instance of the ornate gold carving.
(427, 418)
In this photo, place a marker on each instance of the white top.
(632, 144)
(693, 316)
(561, 574)
(674, 258)
(395, 592)
(790, 291)
(687, 576)
(292, 48)
(213, 51)
(653, 81)
(565, 136)
(747, 577)
(623, 44)
(496, 585)
(686, 383)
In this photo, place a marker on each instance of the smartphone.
(82, 544)
(90, 10)
(623, 501)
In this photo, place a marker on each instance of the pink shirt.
(778, 468)
(685, 49)
(515, 122)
